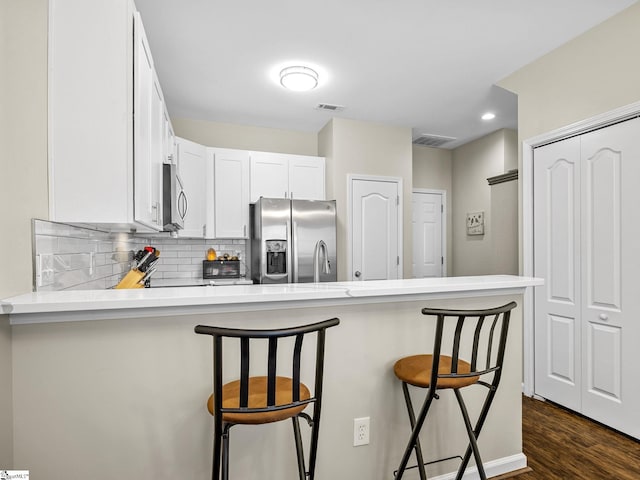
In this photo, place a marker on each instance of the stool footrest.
(395, 472)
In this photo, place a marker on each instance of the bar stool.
(255, 400)
(480, 336)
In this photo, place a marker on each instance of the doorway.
(429, 233)
(375, 228)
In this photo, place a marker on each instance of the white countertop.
(44, 307)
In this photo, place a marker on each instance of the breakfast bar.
(113, 384)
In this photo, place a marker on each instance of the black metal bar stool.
(255, 400)
(480, 336)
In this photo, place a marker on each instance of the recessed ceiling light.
(488, 116)
(298, 78)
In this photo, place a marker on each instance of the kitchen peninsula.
(112, 384)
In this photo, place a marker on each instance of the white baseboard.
(492, 468)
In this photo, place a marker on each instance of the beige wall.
(432, 168)
(23, 194)
(243, 137)
(96, 420)
(592, 74)
(354, 147)
(473, 163)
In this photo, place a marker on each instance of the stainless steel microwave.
(174, 200)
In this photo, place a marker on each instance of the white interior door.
(375, 230)
(427, 216)
(586, 202)
(557, 260)
(611, 262)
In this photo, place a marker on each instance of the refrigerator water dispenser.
(276, 257)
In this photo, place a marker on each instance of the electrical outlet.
(360, 431)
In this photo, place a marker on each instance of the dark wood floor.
(563, 445)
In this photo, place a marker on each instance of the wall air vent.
(328, 106)
(429, 140)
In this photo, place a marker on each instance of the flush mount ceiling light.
(488, 116)
(298, 78)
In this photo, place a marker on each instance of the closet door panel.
(611, 286)
(557, 260)
(603, 369)
(602, 197)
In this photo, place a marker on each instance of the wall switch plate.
(360, 431)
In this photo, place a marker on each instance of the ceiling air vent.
(429, 140)
(328, 106)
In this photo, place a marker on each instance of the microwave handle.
(185, 204)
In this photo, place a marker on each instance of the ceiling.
(430, 65)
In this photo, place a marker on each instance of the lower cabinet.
(191, 169)
(228, 213)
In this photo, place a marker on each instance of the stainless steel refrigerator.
(293, 241)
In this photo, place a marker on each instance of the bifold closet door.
(558, 371)
(611, 275)
(587, 247)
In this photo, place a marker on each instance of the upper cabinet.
(105, 165)
(149, 133)
(306, 178)
(191, 171)
(229, 216)
(277, 175)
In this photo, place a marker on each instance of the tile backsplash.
(67, 257)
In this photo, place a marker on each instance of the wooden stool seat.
(278, 396)
(478, 335)
(416, 370)
(258, 399)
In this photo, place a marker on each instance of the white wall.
(592, 74)
(473, 163)
(244, 137)
(354, 147)
(23, 168)
(432, 168)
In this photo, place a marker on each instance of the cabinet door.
(157, 151)
(192, 170)
(269, 176)
(146, 210)
(90, 123)
(231, 193)
(306, 178)
(169, 140)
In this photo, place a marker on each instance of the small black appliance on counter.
(219, 269)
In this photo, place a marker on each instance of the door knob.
(357, 274)
(604, 316)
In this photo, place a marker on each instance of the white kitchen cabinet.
(149, 134)
(230, 213)
(277, 175)
(191, 160)
(306, 177)
(95, 176)
(169, 140)
(269, 176)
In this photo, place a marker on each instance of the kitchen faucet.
(326, 267)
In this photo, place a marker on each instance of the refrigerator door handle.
(295, 252)
(291, 244)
